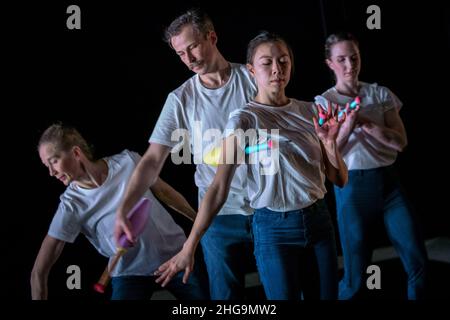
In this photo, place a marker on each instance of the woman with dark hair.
(291, 222)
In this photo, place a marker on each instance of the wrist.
(191, 243)
(329, 144)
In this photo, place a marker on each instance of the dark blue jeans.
(228, 252)
(372, 195)
(290, 245)
(142, 287)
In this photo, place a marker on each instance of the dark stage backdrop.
(110, 80)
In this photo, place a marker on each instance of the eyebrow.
(270, 57)
(345, 55)
(49, 158)
(187, 47)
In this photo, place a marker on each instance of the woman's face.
(271, 67)
(61, 164)
(345, 61)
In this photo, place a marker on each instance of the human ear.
(76, 150)
(213, 36)
(251, 69)
(329, 63)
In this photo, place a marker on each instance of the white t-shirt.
(92, 212)
(300, 179)
(203, 113)
(362, 151)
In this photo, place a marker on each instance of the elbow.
(342, 180)
(400, 146)
(36, 274)
(35, 277)
(341, 177)
(222, 195)
(399, 142)
(219, 192)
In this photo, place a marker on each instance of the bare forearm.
(172, 198)
(49, 253)
(215, 196)
(143, 177)
(335, 166)
(39, 287)
(387, 137)
(344, 132)
(210, 206)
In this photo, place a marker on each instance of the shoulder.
(242, 73)
(304, 107)
(126, 156)
(328, 94)
(373, 89)
(239, 113)
(244, 114)
(184, 90)
(382, 93)
(69, 203)
(301, 104)
(241, 69)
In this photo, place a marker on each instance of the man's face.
(194, 49)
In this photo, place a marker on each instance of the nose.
(350, 64)
(51, 171)
(276, 68)
(190, 56)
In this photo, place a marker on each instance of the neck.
(219, 74)
(94, 174)
(350, 88)
(276, 99)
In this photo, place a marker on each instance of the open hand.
(184, 260)
(327, 128)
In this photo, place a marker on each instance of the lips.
(196, 65)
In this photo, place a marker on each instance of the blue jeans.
(369, 196)
(290, 245)
(142, 287)
(227, 248)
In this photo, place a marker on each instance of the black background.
(110, 80)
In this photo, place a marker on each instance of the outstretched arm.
(214, 199)
(172, 198)
(49, 253)
(144, 176)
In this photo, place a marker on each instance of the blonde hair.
(64, 138)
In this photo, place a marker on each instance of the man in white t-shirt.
(200, 107)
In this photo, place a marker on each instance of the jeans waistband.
(311, 208)
(362, 172)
